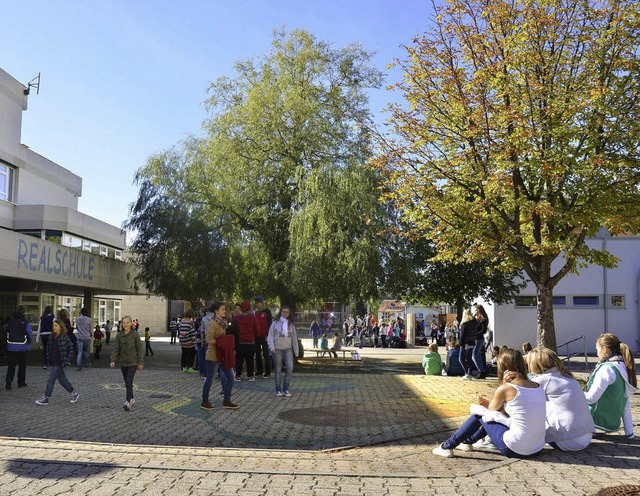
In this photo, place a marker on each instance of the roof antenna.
(34, 83)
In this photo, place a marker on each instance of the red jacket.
(247, 328)
(264, 321)
(225, 351)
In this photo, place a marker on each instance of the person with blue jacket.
(19, 335)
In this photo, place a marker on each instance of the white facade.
(50, 253)
(595, 301)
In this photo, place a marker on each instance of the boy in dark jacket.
(18, 335)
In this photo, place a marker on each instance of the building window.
(559, 301)
(116, 311)
(526, 301)
(586, 301)
(118, 255)
(6, 182)
(618, 301)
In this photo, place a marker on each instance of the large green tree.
(279, 179)
(519, 135)
(412, 274)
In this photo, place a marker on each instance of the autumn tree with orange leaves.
(519, 136)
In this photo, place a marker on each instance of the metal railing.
(567, 356)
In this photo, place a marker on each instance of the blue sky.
(122, 79)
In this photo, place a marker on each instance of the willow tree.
(519, 137)
(281, 175)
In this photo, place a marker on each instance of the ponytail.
(629, 363)
(617, 347)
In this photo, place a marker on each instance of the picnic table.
(323, 356)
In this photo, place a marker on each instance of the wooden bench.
(324, 356)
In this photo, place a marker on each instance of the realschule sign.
(55, 260)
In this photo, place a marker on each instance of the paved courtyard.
(344, 431)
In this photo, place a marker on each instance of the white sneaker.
(278, 393)
(465, 447)
(126, 406)
(132, 402)
(287, 393)
(485, 444)
(440, 451)
(465, 378)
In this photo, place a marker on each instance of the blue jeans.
(474, 429)
(287, 357)
(477, 356)
(227, 378)
(212, 369)
(462, 358)
(201, 351)
(83, 347)
(128, 373)
(57, 372)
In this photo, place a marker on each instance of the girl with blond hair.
(611, 385)
(568, 420)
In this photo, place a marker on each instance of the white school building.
(50, 253)
(595, 301)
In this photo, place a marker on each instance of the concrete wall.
(151, 311)
(41, 181)
(12, 102)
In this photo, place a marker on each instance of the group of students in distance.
(539, 401)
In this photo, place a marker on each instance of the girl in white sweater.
(568, 420)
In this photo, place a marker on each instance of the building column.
(88, 303)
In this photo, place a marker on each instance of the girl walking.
(128, 352)
(58, 356)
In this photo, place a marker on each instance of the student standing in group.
(83, 326)
(201, 343)
(611, 385)
(107, 331)
(187, 342)
(468, 335)
(479, 350)
(147, 342)
(314, 332)
(97, 342)
(128, 353)
(173, 329)
(217, 326)
(283, 343)
(45, 327)
(246, 346)
(18, 334)
(225, 353)
(58, 353)
(264, 318)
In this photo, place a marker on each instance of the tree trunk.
(546, 330)
(459, 309)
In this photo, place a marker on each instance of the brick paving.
(348, 432)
